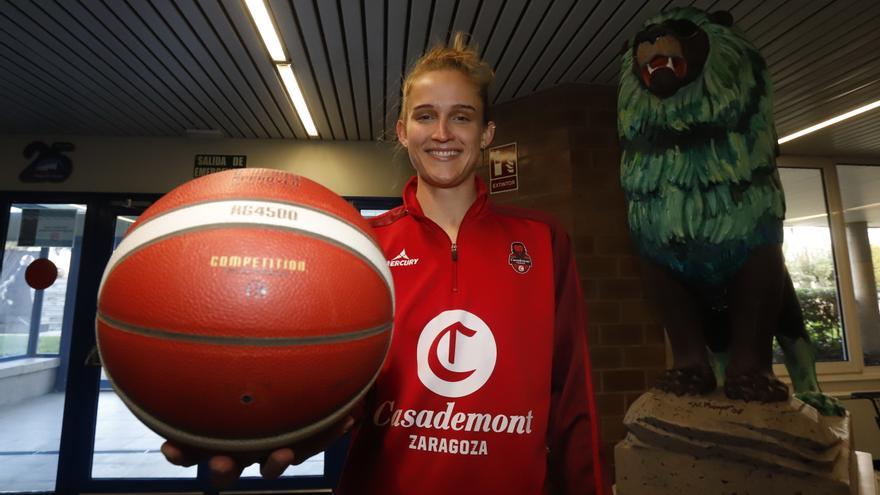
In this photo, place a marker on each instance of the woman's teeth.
(444, 153)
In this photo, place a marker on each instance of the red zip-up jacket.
(487, 386)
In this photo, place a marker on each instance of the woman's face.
(443, 131)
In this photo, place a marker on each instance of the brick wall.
(568, 165)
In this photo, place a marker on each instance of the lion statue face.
(687, 67)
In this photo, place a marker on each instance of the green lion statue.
(698, 168)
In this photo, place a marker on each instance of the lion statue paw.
(825, 404)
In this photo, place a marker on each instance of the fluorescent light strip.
(831, 121)
(808, 217)
(863, 207)
(296, 97)
(266, 28)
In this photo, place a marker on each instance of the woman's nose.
(441, 130)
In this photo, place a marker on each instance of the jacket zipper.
(453, 252)
(454, 267)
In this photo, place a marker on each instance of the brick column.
(569, 162)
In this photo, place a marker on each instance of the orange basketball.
(245, 310)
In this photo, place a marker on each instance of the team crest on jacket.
(519, 258)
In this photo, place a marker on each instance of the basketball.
(245, 310)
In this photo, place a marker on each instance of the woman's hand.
(226, 468)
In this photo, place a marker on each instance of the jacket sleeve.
(576, 463)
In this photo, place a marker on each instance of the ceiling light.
(808, 217)
(266, 28)
(831, 121)
(863, 207)
(296, 97)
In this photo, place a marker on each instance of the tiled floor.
(29, 435)
(30, 432)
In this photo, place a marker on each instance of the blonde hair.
(459, 56)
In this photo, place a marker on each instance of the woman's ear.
(488, 135)
(401, 133)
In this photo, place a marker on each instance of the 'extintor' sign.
(503, 169)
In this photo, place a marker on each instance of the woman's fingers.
(225, 471)
(276, 463)
(176, 455)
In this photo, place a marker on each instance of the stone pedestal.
(712, 445)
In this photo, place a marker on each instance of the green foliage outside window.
(875, 258)
(15, 344)
(812, 272)
(822, 320)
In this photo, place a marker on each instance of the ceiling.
(162, 67)
(806, 203)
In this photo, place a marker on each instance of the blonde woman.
(487, 388)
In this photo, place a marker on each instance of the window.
(860, 194)
(832, 231)
(809, 258)
(31, 320)
(372, 213)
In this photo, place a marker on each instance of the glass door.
(40, 267)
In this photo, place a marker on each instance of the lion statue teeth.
(705, 207)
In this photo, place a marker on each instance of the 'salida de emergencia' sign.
(208, 164)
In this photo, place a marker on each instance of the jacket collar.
(414, 208)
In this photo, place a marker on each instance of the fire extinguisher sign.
(503, 169)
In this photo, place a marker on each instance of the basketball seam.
(243, 341)
(244, 444)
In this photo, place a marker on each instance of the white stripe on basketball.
(218, 213)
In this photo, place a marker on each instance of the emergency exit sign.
(208, 164)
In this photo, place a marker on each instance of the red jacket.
(487, 386)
